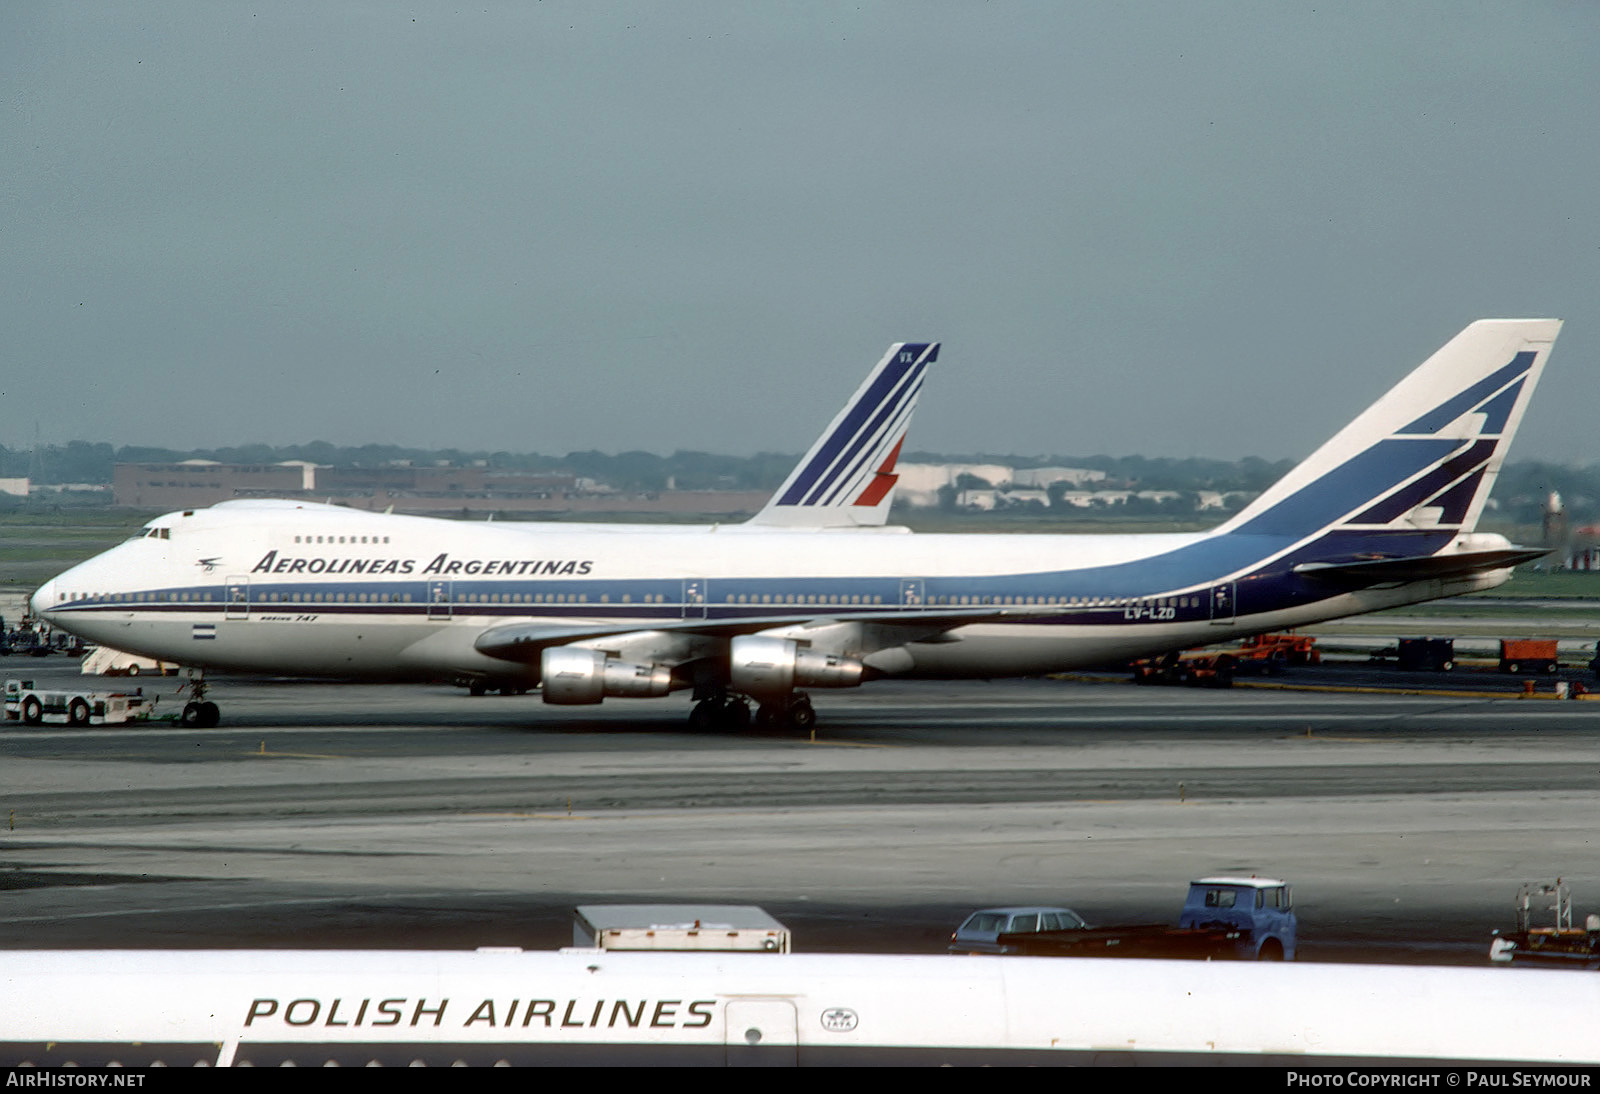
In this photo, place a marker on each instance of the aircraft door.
(911, 592)
(1222, 606)
(438, 600)
(694, 598)
(766, 1032)
(238, 599)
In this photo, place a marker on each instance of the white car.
(982, 928)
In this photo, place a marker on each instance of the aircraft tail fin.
(1422, 458)
(847, 480)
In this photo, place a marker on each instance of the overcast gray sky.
(1213, 229)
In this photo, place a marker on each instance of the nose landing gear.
(199, 712)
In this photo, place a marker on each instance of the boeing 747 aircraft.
(1381, 515)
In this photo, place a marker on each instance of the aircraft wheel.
(703, 718)
(802, 715)
(78, 713)
(734, 717)
(769, 715)
(192, 715)
(209, 715)
(32, 711)
(133, 670)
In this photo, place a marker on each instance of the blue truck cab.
(1260, 909)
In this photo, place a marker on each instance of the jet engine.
(767, 668)
(574, 676)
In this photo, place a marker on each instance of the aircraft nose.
(43, 600)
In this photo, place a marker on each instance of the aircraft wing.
(526, 641)
(1360, 573)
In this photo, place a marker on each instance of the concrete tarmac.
(322, 815)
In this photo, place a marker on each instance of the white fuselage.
(271, 1008)
(317, 590)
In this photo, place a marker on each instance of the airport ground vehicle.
(1281, 649)
(24, 640)
(1529, 655)
(1419, 654)
(78, 708)
(1263, 654)
(1560, 945)
(1246, 919)
(105, 661)
(980, 931)
(1197, 668)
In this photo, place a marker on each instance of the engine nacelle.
(766, 668)
(574, 676)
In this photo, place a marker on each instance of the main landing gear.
(198, 712)
(729, 712)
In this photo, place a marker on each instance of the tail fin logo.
(1424, 457)
(1493, 397)
(848, 477)
(1442, 496)
(883, 479)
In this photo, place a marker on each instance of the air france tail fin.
(1421, 459)
(847, 480)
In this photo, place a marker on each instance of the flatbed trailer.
(33, 706)
(1223, 919)
(1154, 940)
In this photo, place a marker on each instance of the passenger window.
(1024, 924)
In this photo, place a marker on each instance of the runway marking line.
(1369, 690)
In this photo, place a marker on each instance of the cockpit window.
(153, 533)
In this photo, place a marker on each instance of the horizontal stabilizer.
(1378, 571)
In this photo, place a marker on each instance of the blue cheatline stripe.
(909, 384)
(1403, 501)
(1459, 404)
(850, 483)
(882, 387)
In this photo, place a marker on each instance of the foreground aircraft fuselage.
(1382, 515)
